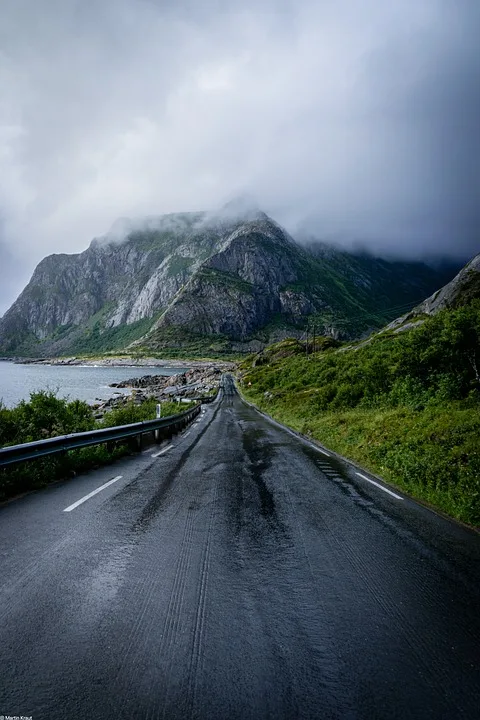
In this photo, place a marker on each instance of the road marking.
(294, 434)
(186, 434)
(315, 447)
(162, 452)
(94, 492)
(398, 497)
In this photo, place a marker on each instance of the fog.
(353, 122)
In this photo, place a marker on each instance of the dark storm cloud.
(426, 89)
(352, 121)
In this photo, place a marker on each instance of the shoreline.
(122, 362)
(152, 379)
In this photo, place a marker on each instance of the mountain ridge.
(230, 278)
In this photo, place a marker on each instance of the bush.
(46, 415)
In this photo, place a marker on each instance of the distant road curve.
(236, 573)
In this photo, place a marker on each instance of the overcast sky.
(355, 120)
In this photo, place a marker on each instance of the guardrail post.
(158, 415)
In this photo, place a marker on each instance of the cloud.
(352, 121)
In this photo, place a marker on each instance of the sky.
(352, 121)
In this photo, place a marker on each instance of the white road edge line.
(293, 434)
(324, 452)
(185, 434)
(398, 497)
(162, 452)
(94, 492)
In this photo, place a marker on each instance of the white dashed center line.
(94, 492)
(162, 452)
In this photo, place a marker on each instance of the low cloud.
(352, 121)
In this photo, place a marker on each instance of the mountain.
(464, 287)
(232, 280)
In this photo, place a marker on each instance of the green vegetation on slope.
(46, 415)
(180, 343)
(97, 339)
(225, 280)
(404, 405)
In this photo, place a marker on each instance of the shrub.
(46, 415)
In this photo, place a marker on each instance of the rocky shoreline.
(194, 380)
(192, 384)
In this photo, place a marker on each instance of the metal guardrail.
(63, 443)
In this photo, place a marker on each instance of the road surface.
(241, 574)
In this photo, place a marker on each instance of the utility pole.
(314, 338)
(306, 344)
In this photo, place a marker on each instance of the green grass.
(179, 264)
(226, 279)
(405, 406)
(182, 344)
(131, 413)
(97, 339)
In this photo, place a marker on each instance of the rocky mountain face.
(464, 287)
(117, 282)
(196, 281)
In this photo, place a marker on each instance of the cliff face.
(115, 282)
(241, 287)
(242, 279)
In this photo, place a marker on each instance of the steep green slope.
(384, 288)
(406, 405)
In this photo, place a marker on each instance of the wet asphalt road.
(242, 574)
